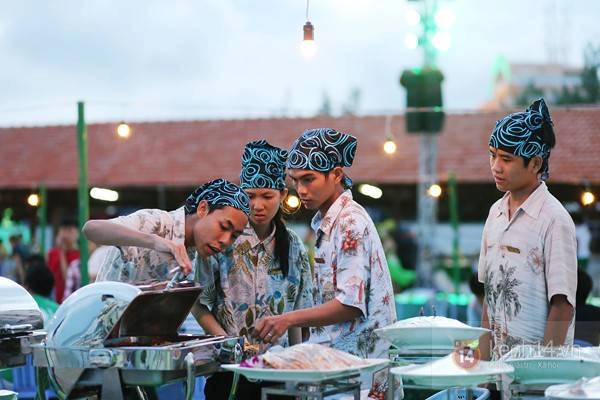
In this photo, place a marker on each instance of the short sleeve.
(353, 263)
(482, 256)
(560, 259)
(153, 221)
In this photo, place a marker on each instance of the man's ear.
(284, 193)
(338, 174)
(537, 164)
(202, 210)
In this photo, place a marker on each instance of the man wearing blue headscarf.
(528, 258)
(352, 280)
(150, 243)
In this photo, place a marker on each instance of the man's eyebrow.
(306, 175)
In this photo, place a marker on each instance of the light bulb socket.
(309, 31)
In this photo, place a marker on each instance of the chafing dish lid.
(18, 310)
(156, 312)
(114, 309)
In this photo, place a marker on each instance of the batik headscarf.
(526, 134)
(219, 192)
(322, 150)
(263, 166)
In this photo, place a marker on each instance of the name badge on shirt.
(513, 250)
(319, 260)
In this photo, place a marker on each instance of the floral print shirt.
(350, 266)
(523, 262)
(245, 283)
(138, 265)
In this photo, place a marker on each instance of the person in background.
(587, 316)
(63, 254)
(528, 256)
(476, 304)
(39, 281)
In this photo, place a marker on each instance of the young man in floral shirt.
(352, 281)
(148, 244)
(528, 258)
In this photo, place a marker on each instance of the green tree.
(589, 90)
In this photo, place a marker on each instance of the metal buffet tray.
(20, 324)
(109, 336)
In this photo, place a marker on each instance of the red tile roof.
(186, 153)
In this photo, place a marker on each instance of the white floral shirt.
(245, 282)
(138, 265)
(523, 262)
(350, 266)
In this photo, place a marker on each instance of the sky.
(147, 60)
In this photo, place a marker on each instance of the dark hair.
(476, 287)
(68, 223)
(546, 134)
(282, 244)
(584, 287)
(39, 279)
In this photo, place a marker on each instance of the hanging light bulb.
(308, 47)
(33, 200)
(434, 190)
(389, 147)
(587, 198)
(124, 130)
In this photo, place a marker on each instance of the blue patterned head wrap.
(219, 192)
(323, 149)
(263, 166)
(526, 134)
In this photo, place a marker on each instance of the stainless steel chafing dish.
(20, 321)
(110, 336)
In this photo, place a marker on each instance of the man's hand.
(176, 250)
(270, 329)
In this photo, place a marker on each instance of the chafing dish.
(20, 324)
(111, 336)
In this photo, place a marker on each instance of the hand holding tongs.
(178, 277)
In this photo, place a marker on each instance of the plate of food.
(429, 333)
(305, 363)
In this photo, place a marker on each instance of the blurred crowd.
(50, 277)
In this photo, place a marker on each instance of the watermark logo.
(466, 356)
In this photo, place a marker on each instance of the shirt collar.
(326, 224)
(250, 236)
(532, 205)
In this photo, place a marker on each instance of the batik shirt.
(523, 262)
(137, 265)
(350, 266)
(245, 283)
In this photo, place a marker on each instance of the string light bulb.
(588, 198)
(123, 130)
(389, 147)
(434, 191)
(33, 200)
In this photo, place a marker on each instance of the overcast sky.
(166, 60)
